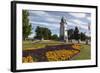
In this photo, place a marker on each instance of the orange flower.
(60, 55)
(27, 59)
(76, 46)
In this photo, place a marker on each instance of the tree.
(82, 36)
(70, 34)
(39, 34)
(26, 25)
(42, 32)
(46, 33)
(54, 37)
(76, 34)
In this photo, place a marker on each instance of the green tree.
(82, 36)
(70, 34)
(26, 25)
(39, 32)
(42, 32)
(76, 34)
(54, 37)
(46, 33)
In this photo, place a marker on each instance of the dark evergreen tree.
(82, 36)
(76, 34)
(70, 34)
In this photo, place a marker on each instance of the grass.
(30, 45)
(85, 53)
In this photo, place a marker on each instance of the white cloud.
(89, 18)
(44, 24)
(78, 15)
(79, 22)
(52, 19)
(39, 13)
(44, 15)
(82, 26)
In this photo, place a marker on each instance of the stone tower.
(63, 30)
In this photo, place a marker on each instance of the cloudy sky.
(51, 20)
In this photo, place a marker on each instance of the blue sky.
(51, 20)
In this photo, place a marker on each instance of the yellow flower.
(76, 46)
(24, 60)
(30, 59)
(27, 59)
(60, 55)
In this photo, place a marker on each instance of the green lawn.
(85, 53)
(29, 45)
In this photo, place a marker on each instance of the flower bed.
(51, 53)
(60, 55)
